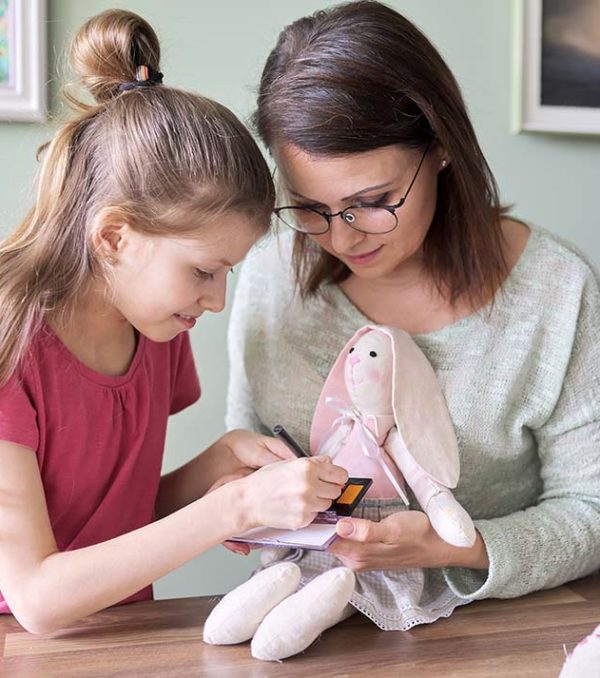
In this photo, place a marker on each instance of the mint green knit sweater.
(522, 383)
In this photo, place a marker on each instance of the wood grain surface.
(521, 638)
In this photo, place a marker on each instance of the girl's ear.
(108, 236)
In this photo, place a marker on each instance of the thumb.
(359, 529)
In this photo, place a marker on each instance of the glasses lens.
(370, 219)
(303, 219)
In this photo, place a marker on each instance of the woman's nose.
(343, 237)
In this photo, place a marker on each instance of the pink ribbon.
(348, 417)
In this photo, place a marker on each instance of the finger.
(241, 549)
(269, 451)
(326, 490)
(322, 505)
(278, 449)
(332, 473)
(359, 529)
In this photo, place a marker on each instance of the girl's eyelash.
(204, 275)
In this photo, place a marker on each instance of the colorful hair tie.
(144, 77)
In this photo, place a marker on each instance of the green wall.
(218, 49)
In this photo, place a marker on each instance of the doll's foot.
(449, 519)
(238, 615)
(297, 621)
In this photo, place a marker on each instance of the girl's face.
(378, 177)
(161, 285)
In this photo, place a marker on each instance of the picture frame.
(557, 78)
(23, 60)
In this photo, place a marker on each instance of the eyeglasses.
(373, 219)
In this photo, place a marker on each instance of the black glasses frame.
(346, 214)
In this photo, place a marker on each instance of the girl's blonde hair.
(161, 159)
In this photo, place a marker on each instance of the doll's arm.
(448, 518)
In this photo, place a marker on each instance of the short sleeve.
(185, 385)
(18, 416)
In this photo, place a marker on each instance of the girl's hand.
(240, 549)
(253, 450)
(289, 494)
(404, 539)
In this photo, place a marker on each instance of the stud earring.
(444, 163)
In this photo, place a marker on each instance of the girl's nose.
(353, 359)
(213, 299)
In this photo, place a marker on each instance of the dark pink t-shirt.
(99, 440)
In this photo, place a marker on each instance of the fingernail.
(345, 528)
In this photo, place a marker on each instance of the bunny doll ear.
(420, 411)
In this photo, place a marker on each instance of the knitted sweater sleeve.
(558, 539)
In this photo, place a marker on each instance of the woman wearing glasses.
(393, 217)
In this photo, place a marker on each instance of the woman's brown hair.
(360, 76)
(159, 158)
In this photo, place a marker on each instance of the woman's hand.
(402, 540)
(253, 450)
(289, 494)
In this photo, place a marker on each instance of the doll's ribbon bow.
(349, 417)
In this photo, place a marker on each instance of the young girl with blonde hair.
(146, 200)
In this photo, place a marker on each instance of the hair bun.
(108, 49)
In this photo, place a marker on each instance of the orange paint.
(349, 494)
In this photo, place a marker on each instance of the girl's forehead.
(227, 239)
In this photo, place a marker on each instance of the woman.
(394, 218)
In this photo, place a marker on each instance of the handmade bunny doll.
(381, 414)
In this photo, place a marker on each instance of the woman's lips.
(361, 259)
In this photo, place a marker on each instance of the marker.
(281, 433)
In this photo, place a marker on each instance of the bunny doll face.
(368, 373)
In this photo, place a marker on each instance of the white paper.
(314, 536)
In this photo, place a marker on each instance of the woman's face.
(381, 177)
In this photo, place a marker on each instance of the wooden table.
(520, 638)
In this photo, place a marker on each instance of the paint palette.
(321, 532)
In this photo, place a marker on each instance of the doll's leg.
(297, 621)
(238, 615)
(448, 518)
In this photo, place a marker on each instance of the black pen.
(281, 433)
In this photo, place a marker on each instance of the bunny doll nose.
(353, 359)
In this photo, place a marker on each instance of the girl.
(146, 200)
(393, 217)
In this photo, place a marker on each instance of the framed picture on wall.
(557, 66)
(22, 60)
